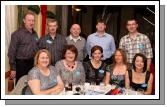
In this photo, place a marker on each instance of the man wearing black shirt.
(22, 49)
(53, 42)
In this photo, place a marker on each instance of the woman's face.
(43, 59)
(118, 57)
(139, 62)
(69, 55)
(97, 55)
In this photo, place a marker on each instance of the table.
(98, 90)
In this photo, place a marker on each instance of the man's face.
(52, 27)
(100, 27)
(132, 26)
(75, 30)
(29, 21)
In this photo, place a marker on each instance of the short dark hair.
(132, 19)
(51, 21)
(144, 60)
(71, 48)
(101, 21)
(96, 47)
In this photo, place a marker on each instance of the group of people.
(54, 60)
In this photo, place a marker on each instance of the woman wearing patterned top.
(43, 78)
(139, 78)
(95, 68)
(71, 71)
(115, 73)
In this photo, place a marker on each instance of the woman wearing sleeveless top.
(43, 78)
(115, 73)
(139, 78)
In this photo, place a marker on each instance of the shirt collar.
(104, 35)
(26, 30)
(51, 37)
(78, 38)
(138, 34)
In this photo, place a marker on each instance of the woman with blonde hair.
(43, 78)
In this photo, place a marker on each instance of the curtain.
(11, 20)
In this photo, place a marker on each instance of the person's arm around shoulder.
(149, 53)
(149, 85)
(12, 54)
(112, 45)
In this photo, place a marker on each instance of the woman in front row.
(95, 68)
(43, 78)
(70, 70)
(139, 78)
(115, 73)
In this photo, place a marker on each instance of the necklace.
(71, 66)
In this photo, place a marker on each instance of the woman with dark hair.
(139, 78)
(71, 71)
(95, 68)
(115, 73)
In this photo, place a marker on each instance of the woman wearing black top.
(95, 68)
(139, 78)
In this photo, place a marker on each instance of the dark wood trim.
(7, 74)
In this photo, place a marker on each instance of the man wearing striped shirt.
(53, 42)
(135, 42)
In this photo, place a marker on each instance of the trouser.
(22, 67)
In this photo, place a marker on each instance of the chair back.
(22, 82)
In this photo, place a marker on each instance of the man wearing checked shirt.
(135, 42)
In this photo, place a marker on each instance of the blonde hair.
(37, 56)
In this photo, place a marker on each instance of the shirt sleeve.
(148, 49)
(86, 71)
(41, 43)
(33, 74)
(121, 44)
(112, 46)
(84, 49)
(88, 48)
(108, 68)
(12, 51)
(82, 73)
(58, 68)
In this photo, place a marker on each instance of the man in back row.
(79, 42)
(22, 49)
(53, 42)
(103, 39)
(135, 42)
